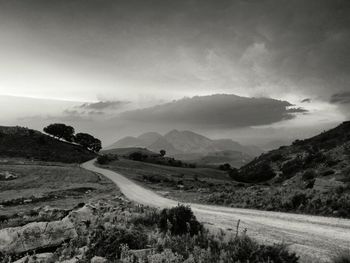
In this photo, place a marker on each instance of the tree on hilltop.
(60, 131)
(88, 141)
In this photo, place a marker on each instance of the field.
(36, 184)
(184, 184)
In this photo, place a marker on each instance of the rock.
(141, 254)
(38, 258)
(97, 259)
(83, 217)
(6, 176)
(49, 213)
(36, 235)
(326, 185)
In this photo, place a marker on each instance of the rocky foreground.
(117, 230)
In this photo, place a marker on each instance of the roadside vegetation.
(210, 186)
(120, 231)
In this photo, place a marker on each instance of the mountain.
(323, 157)
(149, 138)
(189, 142)
(144, 140)
(26, 143)
(187, 145)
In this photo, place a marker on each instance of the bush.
(106, 158)
(343, 257)
(255, 173)
(136, 156)
(179, 220)
(102, 159)
(225, 167)
(107, 242)
(290, 168)
(309, 175)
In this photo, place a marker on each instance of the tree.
(162, 152)
(88, 141)
(60, 131)
(136, 156)
(225, 167)
(234, 174)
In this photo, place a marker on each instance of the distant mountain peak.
(177, 142)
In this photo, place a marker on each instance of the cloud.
(307, 100)
(215, 111)
(340, 98)
(103, 105)
(296, 110)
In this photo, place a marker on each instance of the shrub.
(107, 242)
(290, 168)
(102, 159)
(179, 220)
(309, 175)
(342, 257)
(255, 174)
(225, 167)
(136, 156)
(106, 158)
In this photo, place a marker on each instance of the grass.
(54, 184)
(183, 184)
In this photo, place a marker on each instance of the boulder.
(36, 235)
(38, 258)
(97, 259)
(83, 218)
(6, 176)
(141, 254)
(49, 213)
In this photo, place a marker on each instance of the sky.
(99, 64)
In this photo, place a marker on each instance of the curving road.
(314, 238)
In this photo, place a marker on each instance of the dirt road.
(314, 238)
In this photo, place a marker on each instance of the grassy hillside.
(34, 184)
(325, 156)
(125, 152)
(311, 176)
(31, 144)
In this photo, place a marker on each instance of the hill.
(187, 145)
(125, 152)
(323, 157)
(26, 143)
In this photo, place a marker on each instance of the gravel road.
(313, 238)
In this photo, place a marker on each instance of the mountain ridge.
(184, 144)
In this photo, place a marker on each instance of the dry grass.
(57, 185)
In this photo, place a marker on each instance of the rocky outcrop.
(42, 235)
(7, 176)
(36, 235)
(38, 258)
(97, 259)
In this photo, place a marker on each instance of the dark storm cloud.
(216, 111)
(103, 105)
(341, 98)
